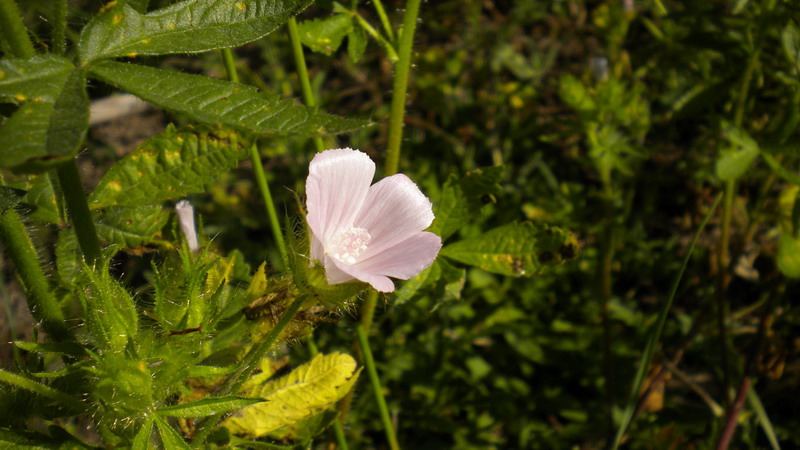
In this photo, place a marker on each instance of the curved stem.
(402, 69)
(376, 387)
(302, 73)
(41, 301)
(13, 30)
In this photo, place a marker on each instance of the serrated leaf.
(208, 406)
(306, 391)
(425, 278)
(213, 102)
(516, 249)
(190, 26)
(9, 197)
(734, 160)
(143, 438)
(169, 165)
(131, 227)
(53, 116)
(169, 437)
(462, 198)
(325, 35)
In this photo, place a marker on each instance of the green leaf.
(109, 311)
(425, 278)
(53, 116)
(213, 102)
(516, 249)
(462, 198)
(356, 43)
(208, 406)
(308, 390)
(789, 255)
(131, 227)
(575, 94)
(326, 35)
(734, 160)
(778, 169)
(41, 198)
(190, 26)
(143, 438)
(170, 165)
(59, 348)
(169, 437)
(790, 38)
(9, 197)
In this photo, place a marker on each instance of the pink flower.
(363, 232)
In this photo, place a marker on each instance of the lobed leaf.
(169, 165)
(308, 390)
(208, 406)
(190, 26)
(516, 249)
(217, 102)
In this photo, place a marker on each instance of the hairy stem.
(302, 73)
(59, 26)
(41, 301)
(376, 387)
(78, 210)
(13, 30)
(402, 69)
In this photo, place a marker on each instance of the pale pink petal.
(337, 184)
(404, 260)
(378, 281)
(394, 209)
(317, 250)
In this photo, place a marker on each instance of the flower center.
(347, 245)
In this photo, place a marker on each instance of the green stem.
(391, 53)
(230, 64)
(13, 30)
(41, 301)
(59, 27)
(302, 73)
(249, 363)
(78, 210)
(402, 68)
(376, 387)
(261, 180)
(384, 19)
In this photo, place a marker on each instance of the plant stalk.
(302, 73)
(230, 64)
(13, 30)
(384, 19)
(402, 68)
(376, 387)
(41, 301)
(78, 210)
(59, 27)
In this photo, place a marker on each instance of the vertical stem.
(376, 387)
(13, 30)
(302, 73)
(402, 68)
(59, 27)
(41, 301)
(78, 210)
(258, 170)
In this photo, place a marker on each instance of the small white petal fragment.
(185, 212)
(364, 232)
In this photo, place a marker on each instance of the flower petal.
(337, 184)
(404, 260)
(339, 272)
(394, 209)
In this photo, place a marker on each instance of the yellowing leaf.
(310, 389)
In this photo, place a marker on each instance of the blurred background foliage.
(617, 120)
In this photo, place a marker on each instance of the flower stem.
(302, 73)
(78, 209)
(376, 387)
(258, 170)
(59, 27)
(248, 365)
(402, 69)
(41, 301)
(13, 30)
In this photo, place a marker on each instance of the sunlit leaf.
(213, 102)
(168, 166)
(325, 35)
(308, 390)
(516, 249)
(190, 26)
(207, 406)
